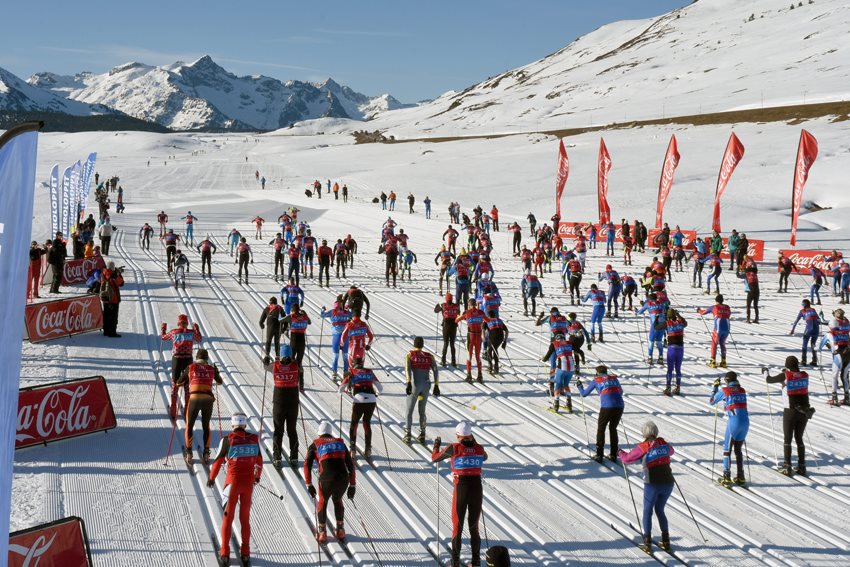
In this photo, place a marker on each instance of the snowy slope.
(705, 57)
(16, 95)
(203, 95)
(544, 499)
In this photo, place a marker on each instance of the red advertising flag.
(78, 271)
(733, 154)
(671, 162)
(63, 543)
(807, 153)
(63, 317)
(63, 409)
(563, 173)
(602, 183)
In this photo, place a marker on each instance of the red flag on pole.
(733, 154)
(671, 162)
(602, 183)
(807, 153)
(561, 180)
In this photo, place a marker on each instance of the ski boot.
(293, 462)
(786, 469)
(246, 560)
(469, 377)
(267, 360)
(340, 533)
(740, 480)
(335, 378)
(665, 541)
(277, 462)
(367, 452)
(183, 285)
(407, 439)
(556, 405)
(676, 390)
(722, 363)
(593, 338)
(481, 381)
(569, 405)
(660, 360)
(601, 340)
(667, 391)
(833, 401)
(712, 363)
(187, 456)
(646, 544)
(846, 401)
(442, 361)
(814, 361)
(223, 561)
(525, 312)
(206, 457)
(804, 361)
(598, 458)
(726, 479)
(612, 458)
(322, 535)
(800, 469)
(421, 437)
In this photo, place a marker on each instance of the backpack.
(105, 291)
(498, 556)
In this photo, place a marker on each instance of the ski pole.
(270, 491)
(218, 410)
(371, 542)
(158, 366)
(735, 344)
(464, 404)
(682, 494)
(714, 442)
(303, 428)
(386, 450)
(263, 403)
(439, 545)
(168, 452)
(631, 493)
(316, 518)
(484, 521)
(321, 336)
(747, 453)
(814, 453)
(640, 336)
(772, 429)
(584, 416)
(340, 414)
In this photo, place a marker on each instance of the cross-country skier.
(610, 235)
(630, 289)
(407, 257)
(339, 317)
(737, 424)
(355, 299)
(654, 454)
(444, 260)
(750, 276)
(308, 249)
(467, 460)
(294, 254)
(182, 339)
(812, 331)
(615, 286)
(181, 268)
(531, 288)
(243, 253)
(785, 266)
(199, 377)
(279, 245)
(559, 381)
(657, 326)
(818, 277)
(474, 318)
(190, 223)
(270, 321)
(341, 255)
(674, 325)
(496, 336)
(258, 224)
(357, 336)
(838, 338)
(715, 265)
(698, 256)
(234, 237)
(572, 272)
(297, 321)
(720, 331)
(577, 335)
(244, 459)
(145, 236)
(170, 239)
(557, 325)
(796, 414)
(461, 271)
(363, 387)
(325, 256)
(285, 406)
(418, 367)
(611, 407)
(597, 297)
(337, 476)
(291, 294)
(162, 219)
(516, 239)
(207, 248)
(449, 311)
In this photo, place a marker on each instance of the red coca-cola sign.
(690, 236)
(569, 229)
(63, 317)
(78, 271)
(63, 543)
(62, 410)
(806, 259)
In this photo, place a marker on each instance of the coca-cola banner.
(63, 543)
(653, 233)
(671, 162)
(568, 229)
(62, 410)
(63, 317)
(78, 271)
(755, 250)
(561, 177)
(604, 166)
(806, 259)
(807, 153)
(733, 154)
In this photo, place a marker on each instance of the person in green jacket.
(732, 244)
(716, 243)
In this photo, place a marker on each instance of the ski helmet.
(202, 354)
(325, 428)
(731, 377)
(285, 351)
(182, 320)
(792, 363)
(554, 311)
(572, 316)
(238, 420)
(272, 301)
(463, 429)
(719, 298)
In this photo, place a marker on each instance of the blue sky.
(413, 50)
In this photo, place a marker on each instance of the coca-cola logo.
(74, 318)
(32, 554)
(79, 270)
(58, 413)
(729, 164)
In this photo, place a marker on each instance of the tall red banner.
(733, 154)
(671, 162)
(63, 409)
(807, 153)
(63, 543)
(63, 317)
(563, 173)
(602, 182)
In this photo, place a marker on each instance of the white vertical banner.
(18, 152)
(66, 197)
(88, 171)
(76, 183)
(54, 200)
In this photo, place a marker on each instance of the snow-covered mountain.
(203, 95)
(707, 57)
(18, 96)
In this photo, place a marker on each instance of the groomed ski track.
(544, 498)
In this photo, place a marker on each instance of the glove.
(436, 391)
(764, 369)
(210, 483)
(437, 443)
(312, 490)
(408, 389)
(351, 490)
(791, 334)
(578, 382)
(621, 454)
(368, 347)
(257, 480)
(367, 316)
(716, 383)
(590, 347)
(163, 327)
(262, 325)
(252, 260)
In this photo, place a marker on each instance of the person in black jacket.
(796, 415)
(56, 258)
(270, 321)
